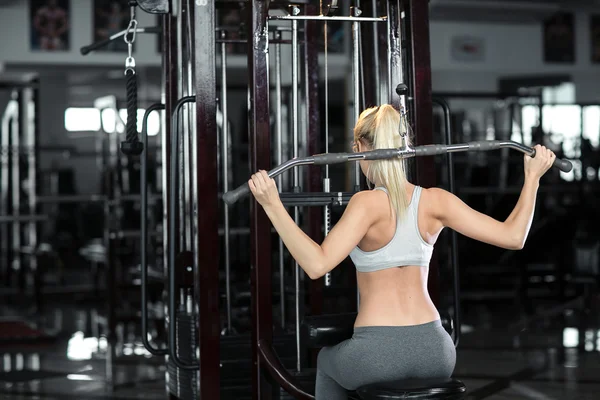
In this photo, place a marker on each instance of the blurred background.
(521, 70)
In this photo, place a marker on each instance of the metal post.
(370, 62)
(417, 16)
(356, 76)
(326, 184)
(260, 158)
(311, 94)
(5, 187)
(279, 160)
(225, 175)
(15, 131)
(28, 120)
(356, 92)
(190, 133)
(206, 260)
(295, 173)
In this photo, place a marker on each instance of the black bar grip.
(484, 145)
(563, 165)
(382, 154)
(330, 158)
(88, 49)
(234, 195)
(431, 150)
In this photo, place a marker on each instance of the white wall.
(15, 40)
(509, 50)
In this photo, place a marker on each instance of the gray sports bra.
(407, 247)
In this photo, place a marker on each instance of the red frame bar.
(259, 141)
(417, 16)
(206, 288)
(314, 178)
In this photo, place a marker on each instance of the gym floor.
(499, 357)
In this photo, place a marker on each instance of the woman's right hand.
(537, 166)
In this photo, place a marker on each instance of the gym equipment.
(383, 154)
(103, 43)
(144, 232)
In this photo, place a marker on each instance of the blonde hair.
(379, 128)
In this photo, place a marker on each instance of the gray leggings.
(384, 353)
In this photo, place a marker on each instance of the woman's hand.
(537, 166)
(264, 189)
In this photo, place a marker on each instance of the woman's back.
(392, 262)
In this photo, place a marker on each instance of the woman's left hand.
(264, 189)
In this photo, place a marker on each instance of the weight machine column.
(169, 97)
(311, 88)
(421, 112)
(259, 138)
(206, 198)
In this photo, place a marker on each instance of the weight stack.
(184, 383)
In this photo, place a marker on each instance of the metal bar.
(326, 18)
(377, 99)
(87, 49)
(313, 118)
(295, 175)
(259, 141)
(5, 185)
(326, 183)
(206, 184)
(70, 199)
(316, 199)
(144, 232)
(9, 219)
(15, 132)
(244, 41)
(385, 154)
(28, 121)
(173, 250)
(191, 120)
(453, 236)
(369, 61)
(169, 97)
(356, 86)
(225, 176)
(279, 160)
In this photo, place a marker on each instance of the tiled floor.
(537, 362)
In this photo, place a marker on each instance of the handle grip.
(236, 194)
(330, 158)
(563, 165)
(88, 49)
(431, 150)
(382, 154)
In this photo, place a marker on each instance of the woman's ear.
(360, 146)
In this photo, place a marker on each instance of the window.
(82, 119)
(78, 119)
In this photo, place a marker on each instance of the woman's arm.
(510, 234)
(316, 260)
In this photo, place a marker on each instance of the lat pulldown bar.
(386, 154)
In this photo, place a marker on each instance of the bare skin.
(398, 296)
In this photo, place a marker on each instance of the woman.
(389, 233)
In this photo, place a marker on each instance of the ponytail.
(380, 128)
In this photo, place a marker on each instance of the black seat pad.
(447, 389)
